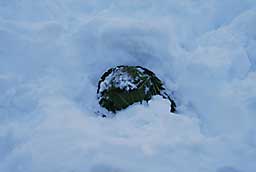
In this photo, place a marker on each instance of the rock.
(123, 86)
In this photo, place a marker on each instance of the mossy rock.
(123, 86)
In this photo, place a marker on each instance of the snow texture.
(53, 52)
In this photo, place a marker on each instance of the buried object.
(123, 86)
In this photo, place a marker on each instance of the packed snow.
(53, 52)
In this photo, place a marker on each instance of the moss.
(123, 86)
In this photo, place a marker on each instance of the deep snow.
(52, 53)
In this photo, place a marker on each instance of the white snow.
(53, 52)
(118, 79)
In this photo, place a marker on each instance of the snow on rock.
(118, 79)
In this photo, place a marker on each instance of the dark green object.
(123, 86)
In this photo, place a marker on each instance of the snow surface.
(52, 53)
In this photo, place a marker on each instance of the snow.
(118, 79)
(53, 52)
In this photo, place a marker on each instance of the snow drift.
(53, 52)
